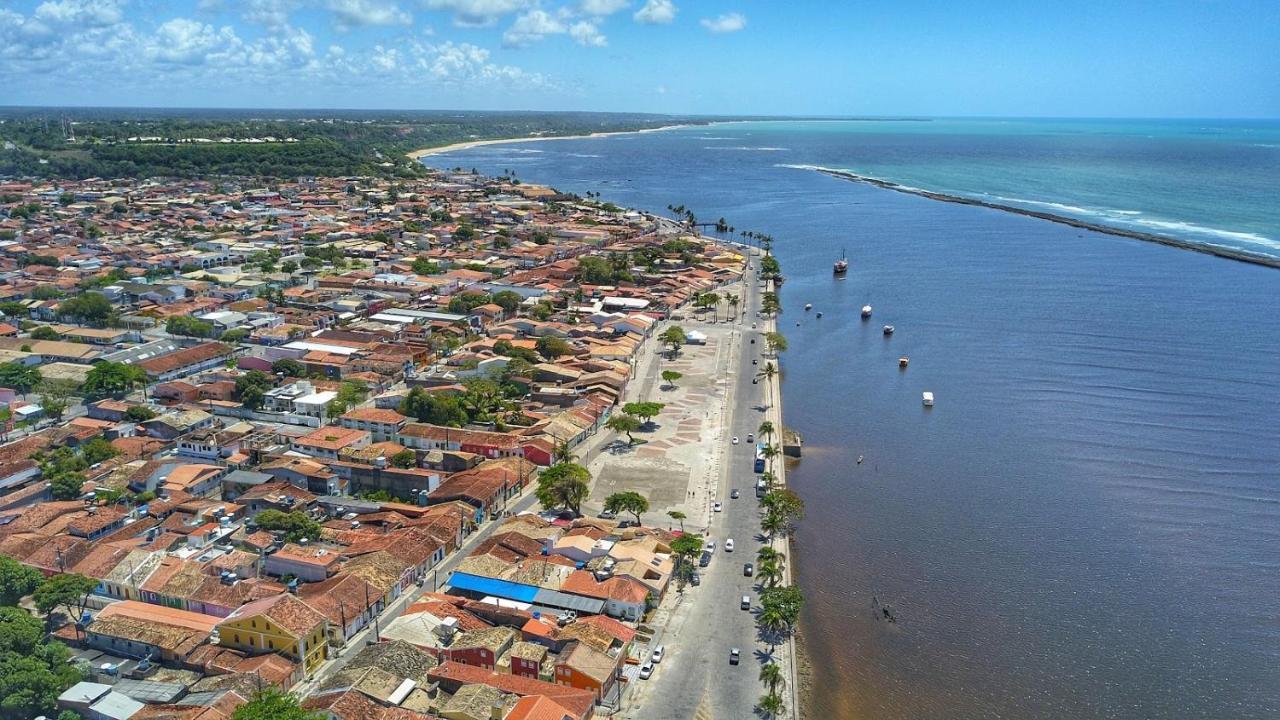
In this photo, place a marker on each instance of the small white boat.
(808, 307)
(902, 361)
(888, 329)
(927, 398)
(866, 311)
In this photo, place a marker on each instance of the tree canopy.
(295, 525)
(113, 378)
(274, 704)
(563, 485)
(33, 672)
(624, 423)
(629, 502)
(69, 591)
(16, 580)
(551, 347)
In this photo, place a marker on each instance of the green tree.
(140, 413)
(234, 335)
(92, 308)
(288, 367)
(98, 450)
(44, 332)
(251, 388)
(289, 267)
(112, 378)
(770, 705)
(776, 341)
(765, 430)
(16, 581)
(19, 377)
(563, 485)
(434, 408)
(771, 675)
(670, 377)
(424, 266)
(646, 411)
(684, 549)
(508, 300)
(69, 591)
(628, 501)
(782, 510)
(678, 517)
(404, 459)
(295, 525)
(274, 704)
(188, 326)
(551, 347)
(33, 672)
(769, 372)
(66, 486)
(770, 572)
(624, 423)
(54, 396)
(674, 336)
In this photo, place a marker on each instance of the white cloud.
(656, 12)
(532, 27)
(586, 33)
(186, 41)
(601, 8)
(356, 13)
(727, 23)
(477, 13)
(269, 13)
(82, 13)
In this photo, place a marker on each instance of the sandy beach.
(416, 154)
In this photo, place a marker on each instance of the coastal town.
(359, 448)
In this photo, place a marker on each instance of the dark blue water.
(1087, 525)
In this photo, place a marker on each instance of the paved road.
(695, 680)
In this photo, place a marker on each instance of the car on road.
(658, 652)
(717, 507)
(735, 439)
(606, 515)
(646, 671)
(728, 545)
(755, 361)
(705, 560)
(746, 602)
(748, 570)
(755, 381)
(734, 494)
(734, 656)
(709, 545)
(695, 579)
(751, 437)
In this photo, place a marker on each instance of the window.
(250, 641)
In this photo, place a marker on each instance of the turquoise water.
(1087, 524)
(1210, 182)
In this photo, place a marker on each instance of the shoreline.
(469, 144)
(1244, 256)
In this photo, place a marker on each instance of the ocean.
(1087, 524)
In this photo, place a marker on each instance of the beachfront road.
(695, 680)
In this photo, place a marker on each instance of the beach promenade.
(687, 463)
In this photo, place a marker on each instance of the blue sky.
(1192, 58)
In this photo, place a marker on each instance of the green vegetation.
(563, 485)
(674, 336)
(16, 580)
(670, 377)
(68, 591)
(336, 143)
(551, 347)
(111, 378)
(646, 411)
(424, 266)
(628, 502)
(90, 308)
(288, 367)
(44, 332)
(782, 510)
(684, 549)
(350, 392)
(251, 388)
(19, 377)
(776, 341)
(274, 704)
(188, 327)
(404, 459)
(678, 517)
(33, 670)
(63, 468)
(295, 525)
(624, 423)
(140, 413)
(434, 408)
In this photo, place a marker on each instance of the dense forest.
(85, 142)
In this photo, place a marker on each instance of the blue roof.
(493, 586)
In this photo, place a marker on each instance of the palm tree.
(771, 675)
(769, 479)
(770, 572)
(769, 372)
(770, 452)
(766, 429)
(733, 304)
(767, 552)
(770, 705)
(774, 623)
(562, 453)
(772, 524)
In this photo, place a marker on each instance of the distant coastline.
(419, 154)
(1223, 252)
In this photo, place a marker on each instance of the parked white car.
(735, 439)
(646, 671)
(728, 545)
(717, 507)
(658, 652)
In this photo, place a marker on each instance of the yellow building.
(281, 624)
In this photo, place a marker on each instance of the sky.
(1065, 58)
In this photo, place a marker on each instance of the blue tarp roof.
(492, 586)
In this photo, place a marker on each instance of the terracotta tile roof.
(457, 674)
(184, 357)
(285, 611)
(539, 707)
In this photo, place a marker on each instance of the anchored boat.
(927, 398)
(842, 265)
(866, 311)
(902, 361)
(888, 329)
